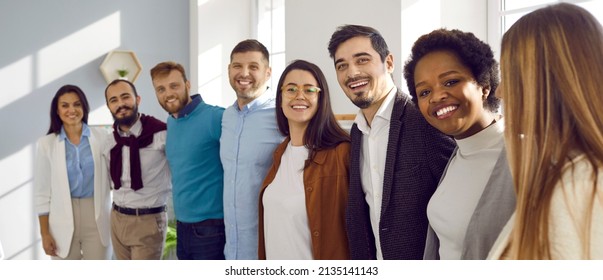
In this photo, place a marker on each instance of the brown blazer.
(326, 182)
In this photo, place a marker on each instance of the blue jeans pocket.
(202, 231)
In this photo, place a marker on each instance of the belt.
(139, 211)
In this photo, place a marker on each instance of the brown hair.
(551, 66)
(323, 131)
(164, 69)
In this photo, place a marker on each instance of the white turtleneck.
(453, 203)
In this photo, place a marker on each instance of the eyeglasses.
(292, 90)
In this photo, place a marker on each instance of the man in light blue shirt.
(249, 137)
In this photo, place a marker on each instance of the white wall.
(309, 25)
(423, 16)
(308, 36)
(400, 22)
(221, 25)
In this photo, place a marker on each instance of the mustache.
(122, 108)
(354, 79)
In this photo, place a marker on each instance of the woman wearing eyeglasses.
(303, 198)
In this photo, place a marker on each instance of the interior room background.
(46, 44)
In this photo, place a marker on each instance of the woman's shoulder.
(342, 148)
(99, 131)
(576, 201)
(579, 175)
(47, 139)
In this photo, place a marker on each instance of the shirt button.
(309, 189)
(316, 233)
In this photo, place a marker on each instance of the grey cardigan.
(495, 207)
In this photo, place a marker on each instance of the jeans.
(201, 241)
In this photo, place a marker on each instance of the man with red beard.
(140, 176)
(396, 159)
(193, 153)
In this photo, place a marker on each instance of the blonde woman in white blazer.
(72, 196)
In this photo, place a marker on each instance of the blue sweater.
(193, 153)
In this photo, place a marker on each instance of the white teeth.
(355, 85)
(446, 110)
(244, 83)
(299, 107)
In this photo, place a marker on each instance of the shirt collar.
(190, 107)
(257, 103)
(135, 129)
(384, 112)
(85, 132)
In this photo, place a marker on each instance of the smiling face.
(299, 106)
(123, 103)
(362, 75)
(172, 92)
(449, 97)
(70, 109)
(248, 73)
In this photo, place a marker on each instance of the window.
(504, 13)
(271, 32)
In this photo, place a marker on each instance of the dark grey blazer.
(491, 214)
(417, 154)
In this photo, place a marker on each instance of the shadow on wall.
(42, 55)
(51, 43)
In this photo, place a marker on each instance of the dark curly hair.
(471, 51)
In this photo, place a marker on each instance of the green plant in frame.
(122, 72)
(170, 240)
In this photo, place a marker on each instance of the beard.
(127, 120)
(182, 102)
(363, 102)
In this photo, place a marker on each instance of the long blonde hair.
(552, 75)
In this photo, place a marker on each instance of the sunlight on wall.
(15, 189)
(13, 176)
(100, 116)
(418, 18)
(18, 77)
(78, 49)
(210, 76)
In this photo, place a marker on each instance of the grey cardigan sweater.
(495, 207)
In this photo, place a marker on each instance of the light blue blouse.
(80, 164)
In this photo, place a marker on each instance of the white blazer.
(52, 194)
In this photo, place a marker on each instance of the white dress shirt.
(155, 172)
(372, 160)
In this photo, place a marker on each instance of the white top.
(452, 205)
(286, 231)
(51, 189)
(569, 213)
(372, 160)
(155, 172)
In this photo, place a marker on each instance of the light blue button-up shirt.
(249, 137)
(80, 164)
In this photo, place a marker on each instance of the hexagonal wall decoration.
(120, 64)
